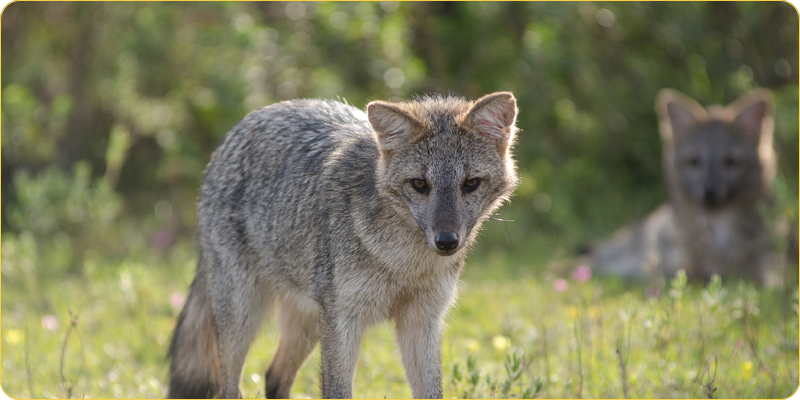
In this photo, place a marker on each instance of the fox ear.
(753, 114)
(494, 116)
(393, 126)
(677, 115)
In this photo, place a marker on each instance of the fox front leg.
(420, 342)
(340, 342)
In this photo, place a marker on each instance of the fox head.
(446, 162)
(717, 157)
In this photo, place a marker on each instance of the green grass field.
(506, 338)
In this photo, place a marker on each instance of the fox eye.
(693, 161)
(419, 185)
(471, 184)
(730, 161)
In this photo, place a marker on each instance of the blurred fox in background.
(719, 164)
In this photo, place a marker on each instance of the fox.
(719, 165)
(337, 219)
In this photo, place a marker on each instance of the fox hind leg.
(239, 305)
(298, 324)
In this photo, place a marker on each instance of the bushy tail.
(194, 357)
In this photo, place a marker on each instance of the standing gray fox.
(341, 220)
(719, 165)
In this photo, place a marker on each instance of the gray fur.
(719, 164)
(308, 204)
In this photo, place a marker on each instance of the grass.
(103, 332)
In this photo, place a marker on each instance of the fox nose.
(446, 241)
(709, 195)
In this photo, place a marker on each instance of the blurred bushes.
(110, 111)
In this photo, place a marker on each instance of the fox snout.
(446, 231)
(709, 195)
(714, 196)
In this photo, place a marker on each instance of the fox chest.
(375, 293)
(719, 231)
(723, 242)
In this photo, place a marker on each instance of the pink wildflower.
(177, 300)
(162, 239)
(582, 273)
(50, 322)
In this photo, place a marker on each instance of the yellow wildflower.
(472, 345)
(14, 336)
(573, 312)
(747, 369)
(500, 342)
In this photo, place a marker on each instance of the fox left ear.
(754, 114)
(494, 116)
(392, 125)
(678, 115)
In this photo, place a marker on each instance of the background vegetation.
(110, 112)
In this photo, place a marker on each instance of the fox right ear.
(494, 117)
(392, 126)
(677, 115)
(754, 114)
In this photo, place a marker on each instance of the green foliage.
(470, 385)
(161, 83)
(63, 216)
